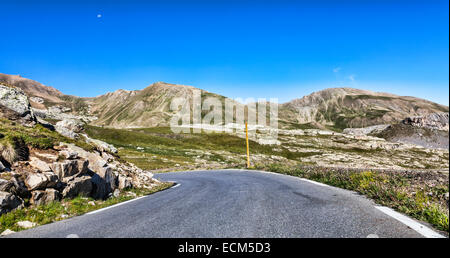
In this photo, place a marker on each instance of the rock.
(366, 130)
(59, 113)
(37, 100)
(78, 186)
(39, 164)
(108, 157)
(101, 163)
(36, 181)
(16, 100)
(26, 224)
(69, 154)
(5, 185)
(69, 168)
(40, 197)
(116, 193)
(19, 188)
(446, 196)
(7, 232)
(2, 167)
(69, 127)
(124, 182)
(104, 182)
(100, 145)
(92, 203)
(9, 202)
(438, 121)
(46, 156)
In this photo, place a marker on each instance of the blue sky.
(269, 49)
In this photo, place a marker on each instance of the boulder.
(36, 181)
(78, 186)
(116, 193)
(16, 100)
(69, 127)
(9, 202)
(6, 185)
(69, 154)
(39, 164)
(124, 182)
(69, 168)
(39, 197)
(100, 145)
(104, 182)
(19, 188)
(2, 167)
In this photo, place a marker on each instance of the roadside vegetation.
(422, 195)
(56, 211)
(15, 140)
(159, 148)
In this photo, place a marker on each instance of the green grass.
(37, 136)
(44, 214)
(177, 148)
(398, 191)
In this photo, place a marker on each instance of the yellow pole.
(246, 139)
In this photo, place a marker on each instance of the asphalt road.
(234, 203)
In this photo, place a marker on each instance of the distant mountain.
(334, 108)
(149, 107)
(347, 107)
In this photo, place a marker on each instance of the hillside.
(33, 88)
(340, 108)
(333, 108)
(149, 107)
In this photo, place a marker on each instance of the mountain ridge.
(331, 108)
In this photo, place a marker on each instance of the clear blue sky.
(282, 49)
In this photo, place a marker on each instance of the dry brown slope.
(149, 107)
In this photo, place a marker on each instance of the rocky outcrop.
(429, 131)
(61, 113)
(365, 130)
(437, 121)
(15, 100)
(32, 88)
(69, 127)
(67, 172)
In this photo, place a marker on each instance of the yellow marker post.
(246, 139)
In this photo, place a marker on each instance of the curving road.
(234, 203)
